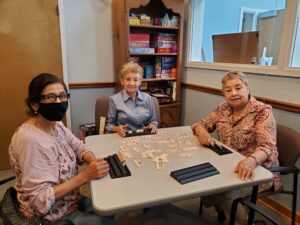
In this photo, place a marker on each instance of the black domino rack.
(116, 168)
(219, 149)
(194, 173)
(131, 133)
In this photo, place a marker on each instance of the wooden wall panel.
(29, 45)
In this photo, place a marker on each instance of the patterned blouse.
(254, 130)
(40, 162)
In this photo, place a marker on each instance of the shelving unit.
(121, 9)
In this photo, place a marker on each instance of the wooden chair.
(101, 111)
(288, 144)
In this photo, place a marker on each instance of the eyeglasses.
(51, 98)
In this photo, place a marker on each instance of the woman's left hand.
(244, 168)
(152, 127)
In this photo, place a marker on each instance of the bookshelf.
(169, 58)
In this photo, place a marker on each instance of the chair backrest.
(157, 110)
(101, 110)
(288, 144)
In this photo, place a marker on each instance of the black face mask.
(53, 111)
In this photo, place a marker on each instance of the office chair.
(9, 209)
(288, 144)
(101, 110)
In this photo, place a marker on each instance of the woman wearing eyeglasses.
(44, 155)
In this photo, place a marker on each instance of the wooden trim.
(174, 104)
(91, 85)
(274, 103)
(153, 54)
(279, 209)
(153, 27)
(200, 88)
(158, 79)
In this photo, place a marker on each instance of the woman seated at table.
(246, 125)
(44, 156)
(131, 109)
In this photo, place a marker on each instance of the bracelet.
(253, 157)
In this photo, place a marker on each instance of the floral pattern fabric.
(254, 130)
(40, 162)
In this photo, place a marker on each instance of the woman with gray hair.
(131, 109)
(247, 126)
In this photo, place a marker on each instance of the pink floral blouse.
(40, 162)
(255, 130)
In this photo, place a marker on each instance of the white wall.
(87, 42)
(273, 87)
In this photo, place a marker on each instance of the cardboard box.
(167, 63)
(139, 37)
(158, 67)
(139, 44)
(163, 50)
(134, 21)
(141, 50)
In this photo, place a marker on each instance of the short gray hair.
(235, 75)
(131, 67)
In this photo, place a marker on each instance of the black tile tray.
(116, 169)
(146, 131)
(219, 149)
(194, 173)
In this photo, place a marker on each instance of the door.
(29, 45)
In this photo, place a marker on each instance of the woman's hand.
(96, 169)
(120, 129)
(244, 168)
(203, 136)
(152, 127)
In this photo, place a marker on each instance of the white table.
(148, 186)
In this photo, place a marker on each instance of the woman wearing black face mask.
(44, 156)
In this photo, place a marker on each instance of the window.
(248, 19)
(238, 31)
(295, 60)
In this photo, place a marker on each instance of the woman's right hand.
(95, 170)
(120, 130)
(203, 136)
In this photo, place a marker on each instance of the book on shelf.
(158, 67)
(141, 50)
(174, 91)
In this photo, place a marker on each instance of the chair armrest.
(260, 210)
(285, 170)
(5, 180)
